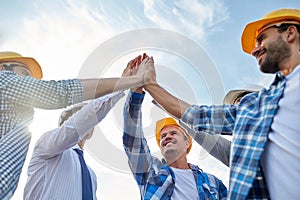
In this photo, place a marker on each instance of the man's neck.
(180, 163)
(290, 64)
(81, 144)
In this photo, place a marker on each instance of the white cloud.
(61, 39)
(192, 17)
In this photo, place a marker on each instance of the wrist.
(150, 86)
(132, 82)
(137, 90)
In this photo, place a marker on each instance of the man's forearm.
(171, 104)
(94, 88)
(134, 142)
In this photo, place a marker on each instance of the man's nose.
(168, 137)
(255, 51)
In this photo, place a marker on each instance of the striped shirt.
(54, 170)
(18, 96)
(249, 122)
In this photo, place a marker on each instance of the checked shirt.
(156, 180)
(18, 96)
(250, 123)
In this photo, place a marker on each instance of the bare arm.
(170, 103)
(215, 145)
(93, 88)
(76, 127)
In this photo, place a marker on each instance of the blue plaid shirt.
(18, 96)
(155, 179)
(249, 122)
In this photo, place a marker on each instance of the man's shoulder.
(209, 177)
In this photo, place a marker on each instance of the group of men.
(263, 155)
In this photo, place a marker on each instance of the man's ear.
(187, 143)
(292, 33)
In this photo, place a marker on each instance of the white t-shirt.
(281, 156)
(185, 185)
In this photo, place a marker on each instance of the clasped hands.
(143, 67)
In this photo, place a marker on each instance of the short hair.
(284, 26)
(66, 114)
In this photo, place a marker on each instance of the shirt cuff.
(113, 96)
(188, 115)
(136, 98)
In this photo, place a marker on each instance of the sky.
(195, 44)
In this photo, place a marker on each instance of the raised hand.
(150, 74)
(146, 69)
(131, 69)
(132, 66)
(143, 68)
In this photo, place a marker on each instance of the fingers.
(135, 65)
(134, 62)
(141, 61)
(145, 56)
(127, 70)
(132, 66)
(147, 59)
(150, 60)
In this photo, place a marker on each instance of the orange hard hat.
(253, 29)
(160, 124)
(30, 63)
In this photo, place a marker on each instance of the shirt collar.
(76, 146)
(278, 77)
(295, 71)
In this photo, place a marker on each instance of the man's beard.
(276, 54)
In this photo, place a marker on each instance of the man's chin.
(169, 153)
(169, 150)
(267, 70)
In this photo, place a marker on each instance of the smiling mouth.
(259, 56)
(169, 142)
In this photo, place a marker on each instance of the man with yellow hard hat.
(173, 177)
(22, 90)
(265, 126)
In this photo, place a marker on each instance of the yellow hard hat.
(30, 63)
(252, 30)
(160, 124)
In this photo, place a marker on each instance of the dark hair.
(11, 66)
(283, 27)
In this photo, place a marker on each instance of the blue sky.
(65, 36)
